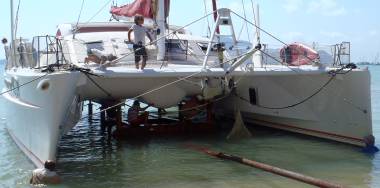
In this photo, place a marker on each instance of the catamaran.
(48, 79)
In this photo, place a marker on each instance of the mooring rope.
(164, 86)
(26, 83)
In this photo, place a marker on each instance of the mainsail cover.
(146, 8)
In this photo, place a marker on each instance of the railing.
(41, 52)
(329, 55)
(47, 50)
(341, 53)
(177, 50)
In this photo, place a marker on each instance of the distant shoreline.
(368, 63)
(2, 61)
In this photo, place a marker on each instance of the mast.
(257, 23)
(13, 47)
(214, 8)
(257, 58)
(161, 26)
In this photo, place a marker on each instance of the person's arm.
(148, 35)
(129, 34)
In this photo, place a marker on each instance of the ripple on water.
(97, 162)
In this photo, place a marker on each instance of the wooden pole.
(102, 118)
(119, 119)
(89, 110)
(272, 169)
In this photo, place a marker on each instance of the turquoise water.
(88, 159)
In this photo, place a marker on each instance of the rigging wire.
(332, 72)
(255, 20)
(162, 86)
(246, 24)
(261, 29)
(89, 20)
(100, 10)
(271, 35)
(208, 22)
(159, 38)
(21, 85)
(276, 38)
(80, 13)
(96, 84)
(289, 106)
(17, 16)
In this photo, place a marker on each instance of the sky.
(323, 21)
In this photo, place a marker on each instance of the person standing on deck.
(139, 41)
(6, 47)
(46, 175)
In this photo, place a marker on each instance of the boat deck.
(180, 68)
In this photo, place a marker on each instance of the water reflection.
(88, 158)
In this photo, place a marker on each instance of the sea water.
(87, 158)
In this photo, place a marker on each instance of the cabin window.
(203, 46)
(253, 96)
(177, 49)
(94, 45)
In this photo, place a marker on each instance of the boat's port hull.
(34, 115)
(341, 111)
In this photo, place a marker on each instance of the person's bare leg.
(137, 61)
(143, 62)
(137, 65)
(143, 65)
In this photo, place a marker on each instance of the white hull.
(341, 111)
(34, 117)
(37, 117)
(159, 86)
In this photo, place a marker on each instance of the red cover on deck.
(146, 8)
(297, 54)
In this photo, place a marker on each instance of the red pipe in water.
(272, 169)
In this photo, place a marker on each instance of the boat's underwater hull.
(340, 111)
